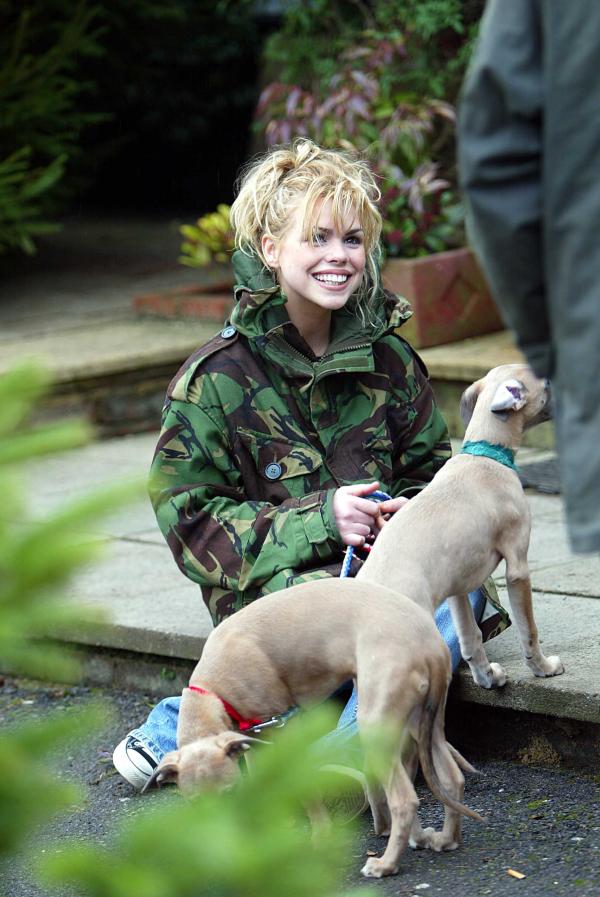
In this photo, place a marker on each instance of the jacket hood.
(260, 307)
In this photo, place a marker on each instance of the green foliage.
(143, 96)
(30, 791)
(246, 842)
(210, 239)
(377, 78)
(306, 48)
(21, 199)
(439, 35)
(253, 841)
(36, 559)
(42, 120)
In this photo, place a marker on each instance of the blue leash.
(374, 496)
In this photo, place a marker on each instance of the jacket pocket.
(377, 448)
(279, 467)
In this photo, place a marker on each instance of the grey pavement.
(72, 306)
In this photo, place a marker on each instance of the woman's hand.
(355, 516)
(387, 508)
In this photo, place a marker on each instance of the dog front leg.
(485, 674)
(519, 592)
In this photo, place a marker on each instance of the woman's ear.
(270, 250)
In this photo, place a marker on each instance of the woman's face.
(320, 274)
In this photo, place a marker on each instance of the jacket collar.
(259, 312)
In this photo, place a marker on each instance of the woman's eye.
(319, 238)
(354, 240)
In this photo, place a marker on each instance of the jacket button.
(273, 471)
(228, 332)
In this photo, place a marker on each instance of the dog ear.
(468, 401)
(165, 773)
(236, 742)
(510, 396)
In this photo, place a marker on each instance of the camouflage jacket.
(258, 433)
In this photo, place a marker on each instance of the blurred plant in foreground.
(247, 842)
(36, 559)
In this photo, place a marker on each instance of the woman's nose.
(336, 250)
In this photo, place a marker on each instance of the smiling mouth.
(332, 279)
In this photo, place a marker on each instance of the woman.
(277, 431)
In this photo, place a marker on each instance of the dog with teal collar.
(472, 516)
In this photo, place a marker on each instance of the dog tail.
(460, 760)
(430, 715)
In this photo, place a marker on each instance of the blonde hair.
(274, 184)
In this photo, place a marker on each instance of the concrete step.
(113, 371)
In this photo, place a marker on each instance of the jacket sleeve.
(500, 164)
(419, 432)
(218, 536)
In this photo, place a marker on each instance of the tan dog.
(452, 536)
(295, 647)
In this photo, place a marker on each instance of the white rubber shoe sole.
(134, 761)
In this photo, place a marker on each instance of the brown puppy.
(452, 536)
(295, 647)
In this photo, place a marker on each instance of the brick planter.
(212, 303)
(450, 298)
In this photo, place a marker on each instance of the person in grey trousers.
(529, 162)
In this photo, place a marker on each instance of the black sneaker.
(134, 761)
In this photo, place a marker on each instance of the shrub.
(41, 122)
(378, 91)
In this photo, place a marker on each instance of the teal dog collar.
(491, 450)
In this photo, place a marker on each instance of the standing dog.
(452, 536)
(296, 647)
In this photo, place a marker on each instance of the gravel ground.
(542, 822)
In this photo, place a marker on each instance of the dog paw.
(547, 666)
(420, 839)
(499, 677)
(441, 842)
(377, 867)
(429, 839)
(492, 677)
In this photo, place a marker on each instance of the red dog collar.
(244, 724)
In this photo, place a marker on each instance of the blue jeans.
(160, 729)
